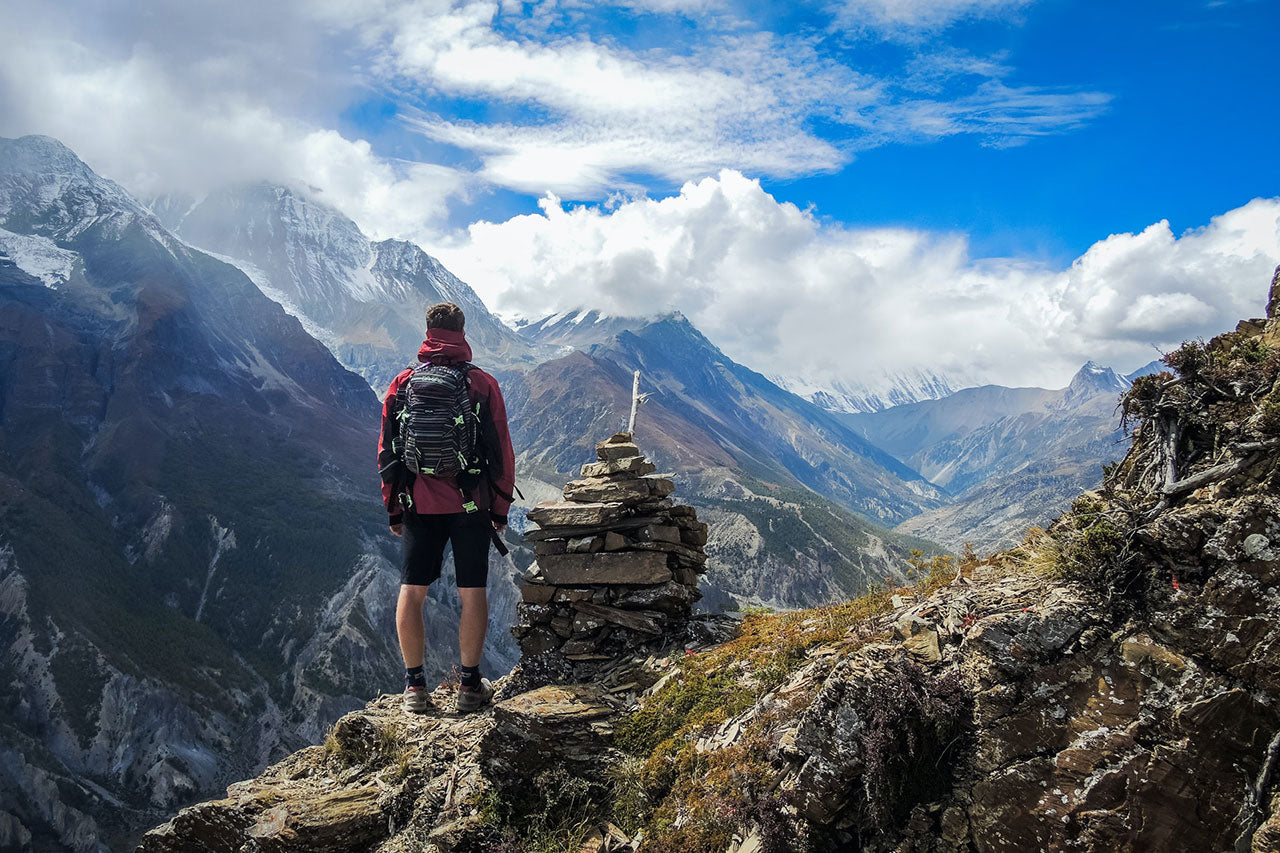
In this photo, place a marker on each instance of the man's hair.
(447, 316)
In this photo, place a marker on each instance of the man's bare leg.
(473, 624)
(409, 626)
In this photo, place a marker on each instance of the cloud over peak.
(788, 294)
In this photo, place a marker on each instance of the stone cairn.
(617, 562)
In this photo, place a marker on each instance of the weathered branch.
(1171, 451)
(1253, 446)
(1209, 475)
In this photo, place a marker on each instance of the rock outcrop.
(1273, 302)
(1111, 684)
(617, 565)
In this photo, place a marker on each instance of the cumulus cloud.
(184, 114)
(787, 294)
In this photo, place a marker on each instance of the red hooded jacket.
(434, 496)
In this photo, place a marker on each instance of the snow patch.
(39, 257)
(224, 539)
(874, 391)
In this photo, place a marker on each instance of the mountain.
(580, 329)
(306, 256)
(788, 489)
(584, 328)
(195, 576)
(1010, 457)
(1149, 369)
(365, 299)
(876, 391)
(1111, 685)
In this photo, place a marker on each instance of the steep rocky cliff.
(1111, 684)
(195, 575)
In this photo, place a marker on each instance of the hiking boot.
(417, 700)
(474, 698)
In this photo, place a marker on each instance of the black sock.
(470, 676)
(413, 677)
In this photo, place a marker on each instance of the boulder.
(543, 726)
(617, 567)
(613, 452)
(558, 513)
(636, 620)
(670, 597)
(635, 466)
(659, 533)
(599, 490)
(536, 593)
(571, 531)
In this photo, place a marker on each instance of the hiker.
(447, 473)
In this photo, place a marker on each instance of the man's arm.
(387, 450)
(505, 477)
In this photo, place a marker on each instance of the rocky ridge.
(1111, 684)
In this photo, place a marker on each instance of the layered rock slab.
(617, 564)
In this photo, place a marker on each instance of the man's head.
(447, 316)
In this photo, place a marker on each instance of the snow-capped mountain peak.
(582, 328)
(47, 190)
(365, 299)
(874, 391)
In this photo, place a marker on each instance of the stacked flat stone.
(617, 561)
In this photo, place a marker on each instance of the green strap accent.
(477, 408)
(473, 470)
(470, 506)
(459, 420)
(428, 470)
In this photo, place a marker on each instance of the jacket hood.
(445, 347)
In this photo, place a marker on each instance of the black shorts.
(424, 538)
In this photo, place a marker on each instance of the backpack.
(438, 424)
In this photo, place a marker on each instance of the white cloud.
(174, 95)
(137, 117)
(746, 101)
(786, 294)
(1157, 314)
(1001, 114)
(905, 15)
(582, 116)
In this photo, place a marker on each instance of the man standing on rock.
(447, 473)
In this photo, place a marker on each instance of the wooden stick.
(635, 403)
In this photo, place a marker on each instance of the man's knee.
(473, 596)
(413, 595)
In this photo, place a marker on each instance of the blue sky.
(1186, 132)
(837, 192)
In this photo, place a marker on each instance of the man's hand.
(397, 529)
(500, 528)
